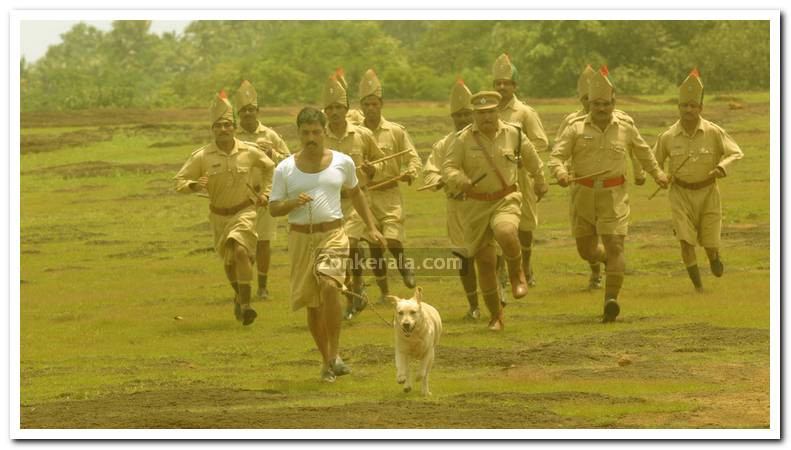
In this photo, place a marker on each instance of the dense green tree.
(288, 60)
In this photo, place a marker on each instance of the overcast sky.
(38, 35)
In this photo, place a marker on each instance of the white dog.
(417, 330)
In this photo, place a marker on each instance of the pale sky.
(38, 35)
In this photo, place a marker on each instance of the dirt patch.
(64, 268)
(40, 143)
(104, 117)
(55, 233)
(105, 242)
(102, 169)
(211, 408)
(145, 250)
(201, 251)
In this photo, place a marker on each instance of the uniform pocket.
(617, 152)
(678, 151)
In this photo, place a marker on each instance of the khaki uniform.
(600, 210)
(313, 255)
(355, 116)
(357, 142)
(637, 169)
(697, 214)
(527, 119)
(387, 204)
(432, 174)
(228, 176)
(466, 161)
(275, 147)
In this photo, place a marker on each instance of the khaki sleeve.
(263, 168)
(432, 173)
(531, 161)
(730, 151)
(562, 127)
(189, 174)
(534, 131)
(640, 149)
(281, 149)
(412, 158)
(660, 154)
(637, 168)
(561, 152)
(452, 166)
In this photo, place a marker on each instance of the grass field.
(110, 255)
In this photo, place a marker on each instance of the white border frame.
(14, 225)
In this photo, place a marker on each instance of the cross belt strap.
(490, 161)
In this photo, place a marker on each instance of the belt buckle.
(598, 184)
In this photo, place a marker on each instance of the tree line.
(288, 61)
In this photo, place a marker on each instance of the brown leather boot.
(492, 300)
(517, 276)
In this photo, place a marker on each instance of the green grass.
(110, 256)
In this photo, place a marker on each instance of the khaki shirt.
(593, 150)
(355, 116)
(357, 142)
(579, 114)
(229, 173)
(466, 161)
(270, 143)
(393, 138)
(526, 118)
(432, 170)
(708, 147)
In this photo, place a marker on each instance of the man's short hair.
(310, 114)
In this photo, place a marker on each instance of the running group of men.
(342, 187)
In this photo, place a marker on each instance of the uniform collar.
(258, 128)
(214, 149)
(383, 124)
(512, 104)
(679, 129)
(349, 130)
(613, 119)
(474, 128)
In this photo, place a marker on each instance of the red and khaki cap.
(584, 81)
(370, 85)
(220, 108)
(600, 87)
(245, 95)
(460, 96)
(335, 90)
(503, 69)
(691, 90)
(485, 100)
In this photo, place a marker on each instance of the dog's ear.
(418, 294)
(393, 299)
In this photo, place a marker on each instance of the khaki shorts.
(528, 220)
(240, 227)
(455, 225)
(697, 215)
(314, 255)
(352, 222)
(599, 211)
(266, 225)
(482, 216)
(386, 206)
